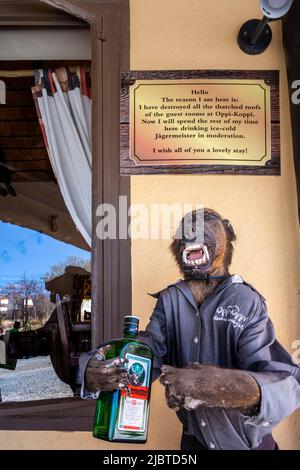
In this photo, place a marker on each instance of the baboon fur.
(204, 384)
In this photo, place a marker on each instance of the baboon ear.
(229, 229)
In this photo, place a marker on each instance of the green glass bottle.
(122, 415)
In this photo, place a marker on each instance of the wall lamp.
(255, 35)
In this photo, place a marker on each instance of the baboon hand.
(106, 375)
(210, 386)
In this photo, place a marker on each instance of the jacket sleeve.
(83, 362)
(268, 362)
(155, 336)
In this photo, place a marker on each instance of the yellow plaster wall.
(193, 34)
(201, 34)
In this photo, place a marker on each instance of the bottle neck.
(130, 331)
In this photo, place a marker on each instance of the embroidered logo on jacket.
(231, 314)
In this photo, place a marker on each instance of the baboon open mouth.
(195, 255)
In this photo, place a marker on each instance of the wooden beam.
(63, 414)
(111, 261)
(35, 13)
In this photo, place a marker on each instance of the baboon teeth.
(196, 262)
(205, 249)
(184, 258)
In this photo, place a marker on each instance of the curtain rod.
(27, 73)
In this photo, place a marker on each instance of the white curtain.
(63, 104)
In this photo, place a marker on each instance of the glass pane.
(41, 279)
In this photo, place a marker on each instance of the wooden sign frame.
(129, 166)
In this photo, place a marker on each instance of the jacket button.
(212, 445)
(196, 340)
(203, 423)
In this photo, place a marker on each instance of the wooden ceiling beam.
(35, 13)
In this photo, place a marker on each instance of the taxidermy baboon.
(215, 350)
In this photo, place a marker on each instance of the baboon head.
(202, 249)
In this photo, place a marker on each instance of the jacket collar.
(185, 290)
(182, 286)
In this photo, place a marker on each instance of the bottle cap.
(131, 319)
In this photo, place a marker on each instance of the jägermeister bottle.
(123, 415)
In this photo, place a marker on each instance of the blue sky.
(23, 250)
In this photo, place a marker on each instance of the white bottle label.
(133, 411)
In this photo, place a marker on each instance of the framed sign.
(200, 122)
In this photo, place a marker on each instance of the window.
(34, 269)
(109, 34)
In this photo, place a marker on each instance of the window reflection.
(44, 320)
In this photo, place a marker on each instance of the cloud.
(4, 255)
(22, 247)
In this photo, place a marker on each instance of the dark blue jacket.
(231, 329)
